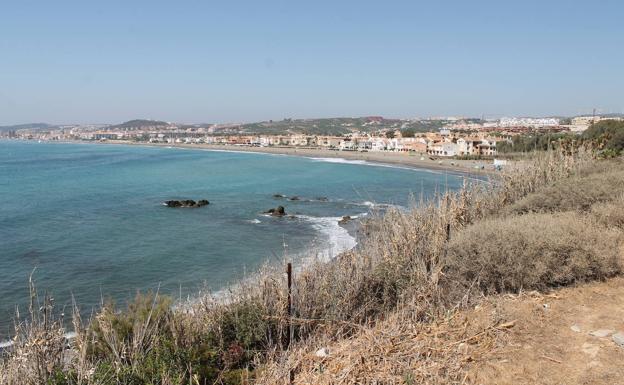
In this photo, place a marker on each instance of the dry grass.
(533, 251)
(610, 214)
(400, 264)
(578, 192)
(398, 350)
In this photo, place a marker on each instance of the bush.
(610, 214)
(575, 193)
(533, 251)
(607, 135)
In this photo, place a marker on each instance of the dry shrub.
(38, 354)
(533, 251)
(592, 185)
(394, 351)
(610, 214)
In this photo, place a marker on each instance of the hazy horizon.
(72, 62)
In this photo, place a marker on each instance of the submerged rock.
(279, 211)
(279, 196)
(345, 220)
(294, 198)
(186, 203)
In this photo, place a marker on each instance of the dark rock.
(345, 220)
(186, 203)
(279, 196)
(276, 212)
(322, 199)
(294, 198)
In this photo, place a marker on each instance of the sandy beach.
(480, 167)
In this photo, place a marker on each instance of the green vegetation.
(28, 126)
(519, 232)
(138, 123)
(607, 136)
(536, 142)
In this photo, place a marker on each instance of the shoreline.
(414, 161)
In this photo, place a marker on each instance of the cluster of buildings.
(456, 137)
(443, 143)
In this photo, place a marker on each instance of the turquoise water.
(90, 217)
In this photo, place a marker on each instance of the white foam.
(339, 160)
(254, 221)
(337, 237)
(8, 344)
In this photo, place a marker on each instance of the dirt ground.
(530, 338)
(551, 342)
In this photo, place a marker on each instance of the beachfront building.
(347, 145)
(442, 148)
(328, 141)
(468, 146)
(378, 144)
(415, 146)
(487, 146)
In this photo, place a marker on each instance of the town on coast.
(466, 142)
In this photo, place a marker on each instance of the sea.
(87, 221)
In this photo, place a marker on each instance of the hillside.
(530, 338)
(462, 289)
(27, 126)
(340, 126)
(138, 124)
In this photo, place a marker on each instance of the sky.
(241, 61)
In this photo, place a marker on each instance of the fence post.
(291, 372)
(289, 307)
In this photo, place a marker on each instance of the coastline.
(380, 158)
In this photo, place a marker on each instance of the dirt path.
(552, 342)
(532, 338)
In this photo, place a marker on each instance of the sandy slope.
(511, 339)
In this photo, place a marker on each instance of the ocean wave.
(337, 237)
(340, 160)
(254, 221)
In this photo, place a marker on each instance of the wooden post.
(448, 232)
(289, 308)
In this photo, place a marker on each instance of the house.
(442, 148)
(347, 145)
(378, 144)
(328, 141)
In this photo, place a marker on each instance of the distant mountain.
(27, 126)
(140, 123)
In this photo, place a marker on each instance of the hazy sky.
(208, 61)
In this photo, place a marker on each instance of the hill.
(138, 124)
(28, 126)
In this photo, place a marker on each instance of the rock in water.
(186, 203)
(279, 211)
(344, 220)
